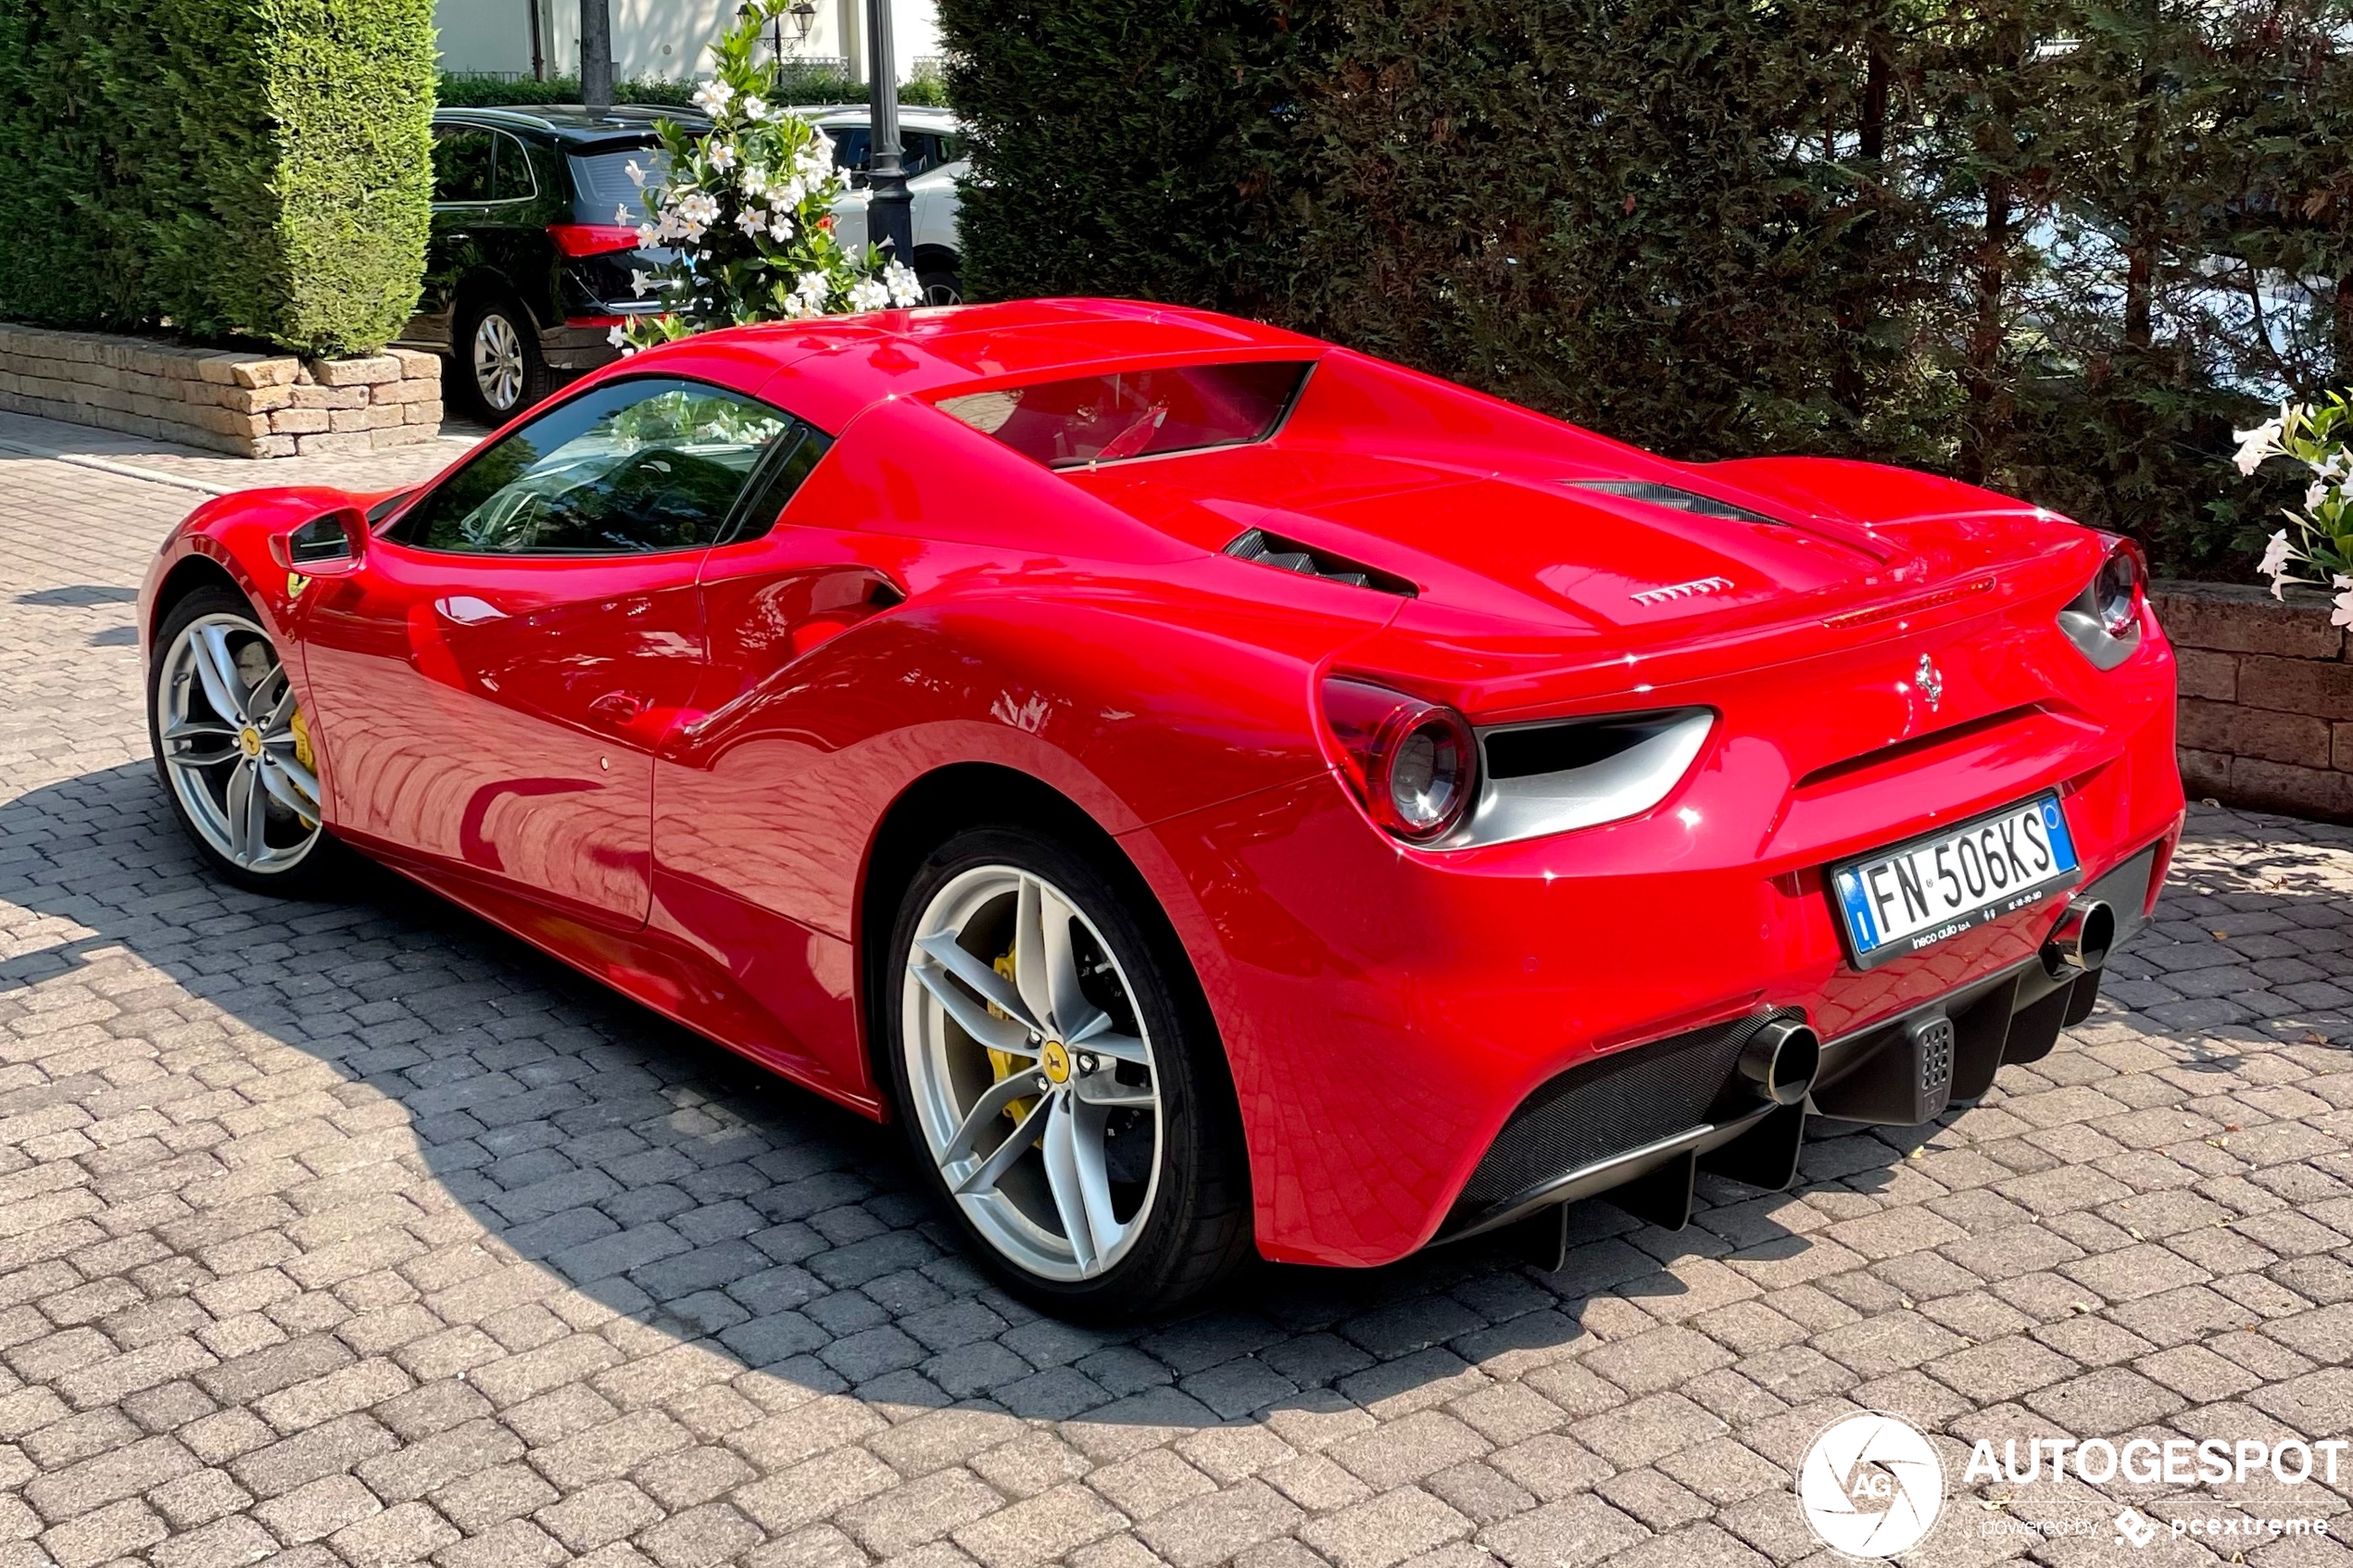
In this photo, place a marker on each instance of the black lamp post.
(890, 213)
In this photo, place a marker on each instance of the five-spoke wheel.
(1057, 1086)
(231, 740)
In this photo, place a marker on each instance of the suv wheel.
(497, 359)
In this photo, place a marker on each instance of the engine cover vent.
(1653, 494)
(1289, 554)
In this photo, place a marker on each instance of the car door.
(491, 683)
(745, 805)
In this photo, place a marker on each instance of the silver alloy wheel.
(499, 361)
(1037, 1096)
(226, 722)
(943, 293)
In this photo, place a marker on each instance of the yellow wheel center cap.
(1055, 1061)
(250, 741)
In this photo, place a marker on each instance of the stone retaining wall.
(2267, 697)
(254, 405)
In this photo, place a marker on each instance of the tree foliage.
(254, 168)
(2060, 247)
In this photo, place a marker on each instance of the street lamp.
(890, 216)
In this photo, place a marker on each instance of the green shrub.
(2060, 247)
(467, 90)
(256, 171)
(801, 82)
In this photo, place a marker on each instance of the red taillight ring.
(2121, 588)
(1414, 763)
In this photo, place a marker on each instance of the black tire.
(941, 286)
(325, 862)
(1199, 1227)
(492, 387)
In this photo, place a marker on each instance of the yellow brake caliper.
(1005, 1062)
(303, 753)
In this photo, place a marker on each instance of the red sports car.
(1217, 790)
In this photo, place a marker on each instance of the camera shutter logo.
(1871, 1486)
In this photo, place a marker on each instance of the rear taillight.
(1415, 764)
(592, 239)
(2118, 591)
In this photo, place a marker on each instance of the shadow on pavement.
(666, 1179)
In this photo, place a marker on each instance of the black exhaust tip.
(1781, 1059)
(2082, 939)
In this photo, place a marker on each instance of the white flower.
(721, 153)
(2342, 614)
(780, 229)
(755, 107)
(636, 172)
(751, 220)
(2315, 494)
(868, 293)
(713, 96)
(647, 236)
(621, 214)
(754, 179)
(2255, 445)
(899, 279)
(2278, 555)
(618, 337)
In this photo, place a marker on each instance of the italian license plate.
(1915, 895)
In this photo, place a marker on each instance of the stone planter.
(253, 404)
(2267, 697)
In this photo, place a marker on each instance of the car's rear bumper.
(1659, 1112)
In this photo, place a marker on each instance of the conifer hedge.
(233, 168)
(2056, 245)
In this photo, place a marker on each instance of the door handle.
(618, 706)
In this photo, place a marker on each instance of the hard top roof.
(831, 367)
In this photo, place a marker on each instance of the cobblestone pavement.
(356, 1233)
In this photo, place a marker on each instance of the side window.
(460, 163)
(788, 464)
(633, 467)
(852, 147)
(510, 170)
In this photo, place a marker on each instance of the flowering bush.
(746, 212)
(2320, 538)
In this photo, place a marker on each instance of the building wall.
(661, 37)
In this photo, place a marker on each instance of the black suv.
(528, 272)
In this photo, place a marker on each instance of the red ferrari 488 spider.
(1216, 790)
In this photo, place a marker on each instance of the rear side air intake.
(1289, 554)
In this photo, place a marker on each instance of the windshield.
(1135, 413)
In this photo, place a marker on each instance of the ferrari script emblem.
(1930, 682)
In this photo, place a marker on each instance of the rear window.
(600, 182)
(1135, 413)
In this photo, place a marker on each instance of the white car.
(933, 154)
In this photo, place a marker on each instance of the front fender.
(233, 533)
